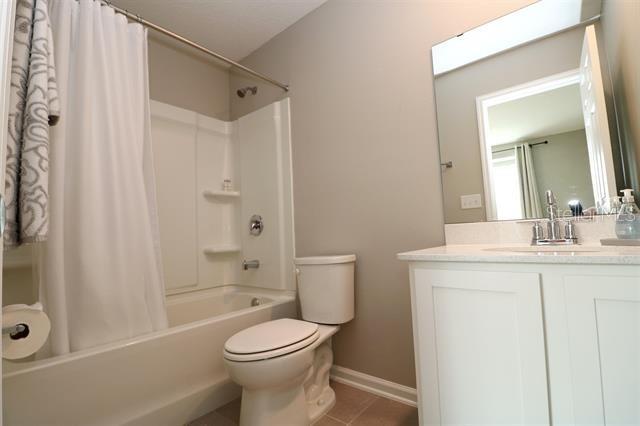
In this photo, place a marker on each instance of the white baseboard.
(375, 385)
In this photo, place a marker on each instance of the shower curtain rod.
(195, 45)
(531, 144)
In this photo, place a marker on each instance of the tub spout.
(250, 264)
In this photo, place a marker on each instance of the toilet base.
(269, 407)
(320, 397)
(321, 406)
(270, 398)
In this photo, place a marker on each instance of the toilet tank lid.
(325, 260)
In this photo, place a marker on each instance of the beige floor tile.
(231, 411)
(328, 421)
(385, 412)
(212, 419)
(353, 406)
(349, 402)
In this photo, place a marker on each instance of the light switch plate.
(471, 201)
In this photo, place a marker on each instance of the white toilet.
(283, 365)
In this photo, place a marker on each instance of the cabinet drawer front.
(480, 347)
(603, 316)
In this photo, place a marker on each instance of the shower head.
(250, 89)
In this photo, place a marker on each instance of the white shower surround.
(204, 235)
(173, 376)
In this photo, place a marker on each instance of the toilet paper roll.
(37, 322)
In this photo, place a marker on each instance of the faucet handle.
(551, 199)
(570, 231)
(538, 232)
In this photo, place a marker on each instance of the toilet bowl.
(283, 365)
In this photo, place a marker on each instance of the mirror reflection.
(528, 132)
(526, 118)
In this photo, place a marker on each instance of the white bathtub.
(163, 378)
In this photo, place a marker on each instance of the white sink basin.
(547, 249)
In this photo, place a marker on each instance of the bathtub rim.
(192, 294)
(278, 297)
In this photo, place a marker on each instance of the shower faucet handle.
(256, 225)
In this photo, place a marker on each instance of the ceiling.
(233, 28)
(544, 114)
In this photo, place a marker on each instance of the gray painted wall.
(563, 166)
(456, 94)
(182, 77)
(18, 286)
(365, 152)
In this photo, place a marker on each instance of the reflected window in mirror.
(506, 184)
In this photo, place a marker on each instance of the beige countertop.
(524, 253)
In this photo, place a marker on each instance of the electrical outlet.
(472, 201)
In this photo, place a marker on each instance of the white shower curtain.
(101, 277)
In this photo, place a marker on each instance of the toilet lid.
(270, 336)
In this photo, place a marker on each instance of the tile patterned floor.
(354, 407)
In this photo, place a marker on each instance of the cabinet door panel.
(480, 347)
(604, 341)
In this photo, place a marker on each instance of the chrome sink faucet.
(553, 226)
(554, 223)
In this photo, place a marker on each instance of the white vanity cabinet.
(526, 343)
(603, 317)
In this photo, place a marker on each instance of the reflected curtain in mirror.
(528, 186)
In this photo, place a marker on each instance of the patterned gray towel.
(34, 107)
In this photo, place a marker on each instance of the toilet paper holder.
(17, 331)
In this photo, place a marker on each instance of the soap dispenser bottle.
(628, 219)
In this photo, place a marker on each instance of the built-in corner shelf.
(221, 194)
(221, 249)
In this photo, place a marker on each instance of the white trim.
(533, 87)
(484, 102)
(594, 110)
(375, 385)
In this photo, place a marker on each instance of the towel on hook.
(34, 106)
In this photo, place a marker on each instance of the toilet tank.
(325, 288)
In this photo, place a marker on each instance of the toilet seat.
(270, 339)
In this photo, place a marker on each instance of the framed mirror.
(523, 105)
